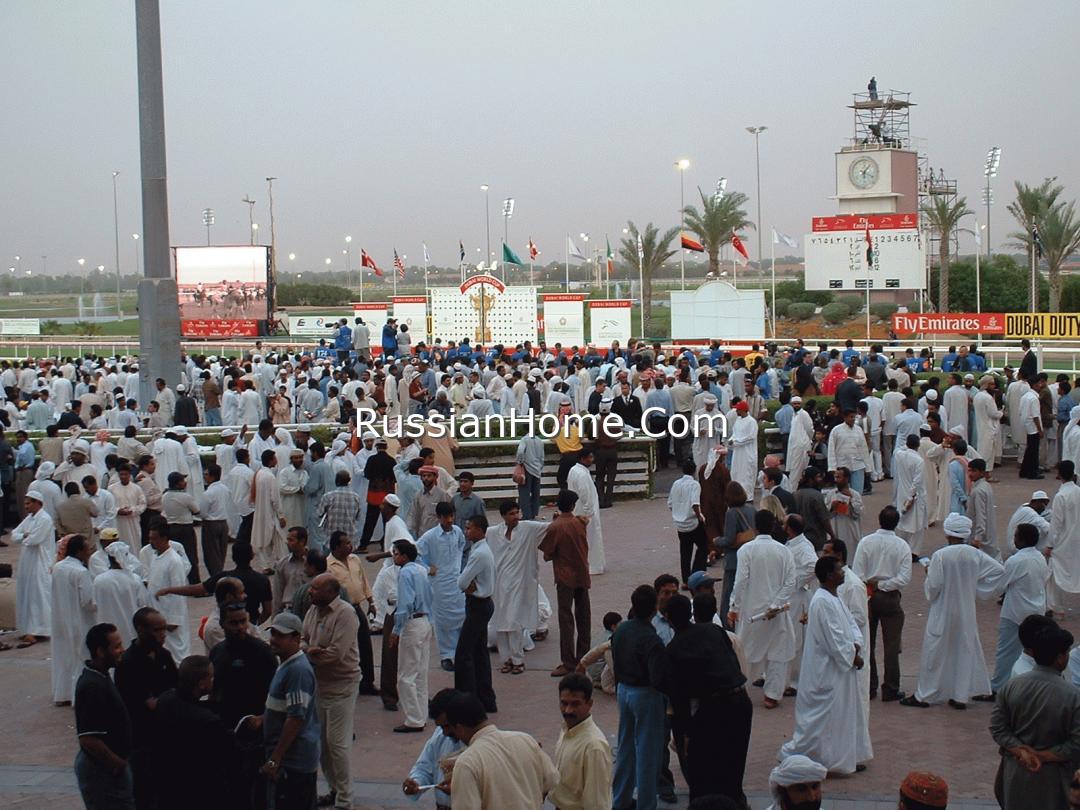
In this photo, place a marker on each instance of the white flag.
(978, 236)
(574, 252)
(640, 249)
(427, 258)
(778, 238)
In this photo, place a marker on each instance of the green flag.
(510, 257)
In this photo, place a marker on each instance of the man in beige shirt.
(329, 636)
(497, 768)
(582, 755)
(347, 569)
(75, 514)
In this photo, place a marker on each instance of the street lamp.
(682, 165)
(251, 216)
(135, 237)
(487, 215)
(756, 132)
(116, 237)
(348, 261)
(993, 160)
(208, 220)
(254, 231)
(82, 278)
(292, 257)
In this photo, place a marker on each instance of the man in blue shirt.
(472, 663)
(389, 338)
(343, 340)
(849, 352)
(412, 636)
(290, 724)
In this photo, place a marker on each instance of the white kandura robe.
(118, 595)
(130, 497)
(291, 483)
(827, 706)
(952, 666)
(743, 458)
(169, 570)
(517, 567)
(580, 481)
(956, 402)
(194, 470)
(1064, 539)
(33, 583)
(704, 442)
(800, 442)
(987, 427)
(170, 457)
(764, 580)
(853, 594)
(267, 535)
(73, 614)
(443, 550)
(911, 486)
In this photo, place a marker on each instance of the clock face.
(863, 173)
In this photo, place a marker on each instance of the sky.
(382, 120)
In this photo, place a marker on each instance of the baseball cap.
(287, 624)
(699, 578)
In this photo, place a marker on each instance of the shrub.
(50, 327)
(782, 305)
(802, 310)
(883, 310)
(854, 303)
(835, 313)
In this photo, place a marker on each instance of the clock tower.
(877, 171)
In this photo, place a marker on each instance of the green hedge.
(801, 311)
(781, 307)
(883, 310)
(834, 313)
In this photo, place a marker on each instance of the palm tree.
(1059, 232)
(1032, 203)
(714, 224)
(655, 249)
(944, 217)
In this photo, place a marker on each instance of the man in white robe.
(952, 668)
(805, 558)
(268, 523)
(118, 594)
(169, 570)
(845, 507)
(800, 441)
(73, 614)
(33, 584)
(580, 481)
(225, 451)
(239, 483)
(708, 429)
(956, 402)
(987, 422)
(291, 483)
(1037, 512)
(761, 607)
(743, 457)
(910, 497)
(193, 460)
(827, 707)
(130, 504)
(1013, 394)
(1064, 540)
(514, 545)
(248, 405)
(169, 457)
(129, 561)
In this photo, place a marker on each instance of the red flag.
(367, 261)
(692, 244)
(533, 252)
(869, 247)
(736, 243)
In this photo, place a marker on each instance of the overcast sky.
(382, 120)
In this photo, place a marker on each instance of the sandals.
(517, 669)
(769, 703)
(506, 668)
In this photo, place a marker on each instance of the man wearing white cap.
(117, 592)
(795, 784)
(952, 668)
(800, 441)
(169, 457)
(225, 450)
(479, 406)
(77, 465)
(73, 612)
(33, 585)
(986, 422)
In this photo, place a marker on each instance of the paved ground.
(640, 543)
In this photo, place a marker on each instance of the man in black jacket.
(627, 406)
(186, 411)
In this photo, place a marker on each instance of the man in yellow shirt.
(568, 440)
(582, 755)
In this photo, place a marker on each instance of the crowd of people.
(368, 537)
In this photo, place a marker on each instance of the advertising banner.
(314, 324)
(564, 318)
(1043, 325)
(942, 323)
(609, 320)
(860, 222)
(222, 290)
(20, 326)
(411, 310)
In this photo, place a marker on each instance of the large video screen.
(223, 290)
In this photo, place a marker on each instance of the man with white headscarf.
(708, 430)
(169, 457)
(117, 593)
(76, 467)
(49, 492)
(827, 713)
(910, 496)
(952, 668)
(987, 419)
(479, 405)
(33, 585)
(73, 613)
(800, 441)
(795, 784)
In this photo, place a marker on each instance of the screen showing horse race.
(223, 290)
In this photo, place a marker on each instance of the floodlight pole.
(159, 311)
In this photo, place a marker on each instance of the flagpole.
(568, 263)
(641, 283)
(772, 266)
(869, 267)
(425, 272)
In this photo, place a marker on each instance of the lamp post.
(208, 220)
(348, 261)
(135, 238)
(756, 132)
(993, 160)
(508, 211)
(487, 216)
(82, 277)
(682, 165)
(251, 217)
(116, 240)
